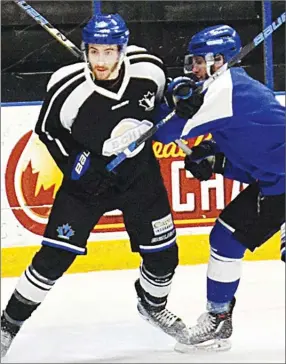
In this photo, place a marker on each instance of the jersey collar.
(101, 90)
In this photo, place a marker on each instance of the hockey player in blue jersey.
(247, 124)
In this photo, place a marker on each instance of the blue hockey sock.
(224, 268)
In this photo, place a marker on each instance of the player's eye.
(93, 51)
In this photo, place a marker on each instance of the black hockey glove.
(88, 172)
(205, 149)
(204, 161)
(178, 88)
(187, 108)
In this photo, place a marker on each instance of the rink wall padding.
(30, 180)
(103, 255)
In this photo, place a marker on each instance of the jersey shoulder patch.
(64, 72)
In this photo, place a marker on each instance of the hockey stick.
(243, 52)
(132, 146)
(72, 47)
(60, 37)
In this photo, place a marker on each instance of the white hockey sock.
(32, 286)
(157, 288)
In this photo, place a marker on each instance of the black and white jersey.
(80, 113)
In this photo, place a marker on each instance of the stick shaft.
(144, 137)
(60, 37)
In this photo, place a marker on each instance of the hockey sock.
(30, 291)
(156, 273)
(224, 268)
(155, 289)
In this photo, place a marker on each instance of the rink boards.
(30, 180)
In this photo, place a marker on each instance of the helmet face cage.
(212, 41)
(190, 62)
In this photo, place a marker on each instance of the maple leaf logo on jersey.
(148, 101)
(65, 231)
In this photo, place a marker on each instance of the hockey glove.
(88, 173)
(178, 88)
(204, 161)
(187, 108)
(205, 149)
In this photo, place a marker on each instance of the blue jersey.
(248, 125)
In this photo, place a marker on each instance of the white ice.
(92, 318)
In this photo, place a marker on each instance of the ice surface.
(92, 318)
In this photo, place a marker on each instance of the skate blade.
(211, 345)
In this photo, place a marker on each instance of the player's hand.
(88, 172)
(187, 108)
(202, 170)
(205, 149)
(204, 161)
(178, 88)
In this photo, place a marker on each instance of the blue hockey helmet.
(106, 29)
(214, 40)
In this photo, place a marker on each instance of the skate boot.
(8, 332)
(211, 332)
(164, 319)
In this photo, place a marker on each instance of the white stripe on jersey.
(73, 103)
(149, 71)
(145, 55)
(217, 103)
(59, 144)
(134, 48)
(63, 72)
(61, 147)
(65, 85)
(43, 126)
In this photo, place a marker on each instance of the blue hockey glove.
(179, 88)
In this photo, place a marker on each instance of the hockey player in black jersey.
(91, 112)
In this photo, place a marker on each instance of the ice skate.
(211, 333)
(8, 333)
(164, 319)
